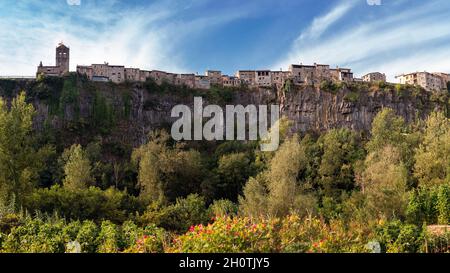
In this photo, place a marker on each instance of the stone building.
(280, 77)
(85, 70)
(215, 76)
(230, 81)
(247, 77)
(301, 74)
(62, 63)
(115, 73)
(429, 81)
(132, 74)
(202, 82)
(341, 74)
(160, 76)
(144, 75)
(263, 78)
(322, 72)
(310, 74)
(186, 79)
(445, 78)
(374, 77)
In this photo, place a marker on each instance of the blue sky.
(194, 35)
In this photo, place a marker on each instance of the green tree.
(387, 129)
(179, 216)
(223, 207)
(253, 203)
(384, 182)
(284, 169)
(166, 173)
(233, 170)
(432, 158)
(443, 204)
(20, 161)
(340, 151)
(77, 169)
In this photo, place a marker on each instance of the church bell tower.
(63, 58)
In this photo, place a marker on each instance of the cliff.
(125, 113)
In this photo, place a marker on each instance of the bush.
(109, 238)
(87, 237)
(227, 235)
(36, 236)
(429, 205)
(437, 241)
(223, 207)
(8, 222)
(151, 240)
(291, 234)
(90, 204)
(71, 230)
(396, 237)
(314, 235)
(408, 240)
(178, 217)
(351, 97)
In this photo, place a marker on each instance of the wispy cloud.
(322, 23)
(414, 39)
(191, 35)
(149, 37)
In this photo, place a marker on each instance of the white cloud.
(73, 2)
(322, 23)
(415, 39)
(148, 38)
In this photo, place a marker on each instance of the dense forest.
(387, 190)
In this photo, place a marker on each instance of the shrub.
(151, 240)
(130, 233)
(408, 240)
(314, 235)
(228, 235)
(291, 234)
(87, 237)
(436, 241)
(179, 216)
(223, 207)
(36, 236)
(71, 230)
(8, 222)
(109, 238)
(429, 205)
(92, 203)
(396, 237)
(351, 97)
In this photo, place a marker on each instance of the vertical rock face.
(310, 109)
(315, 110)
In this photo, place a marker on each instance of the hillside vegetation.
(70, 181)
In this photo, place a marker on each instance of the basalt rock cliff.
(125, 113)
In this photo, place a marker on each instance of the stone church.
(62, 63)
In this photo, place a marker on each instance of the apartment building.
(428, 81)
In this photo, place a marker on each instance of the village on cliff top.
(298, 74)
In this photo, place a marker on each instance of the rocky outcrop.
(315, 110)
(138, 110)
